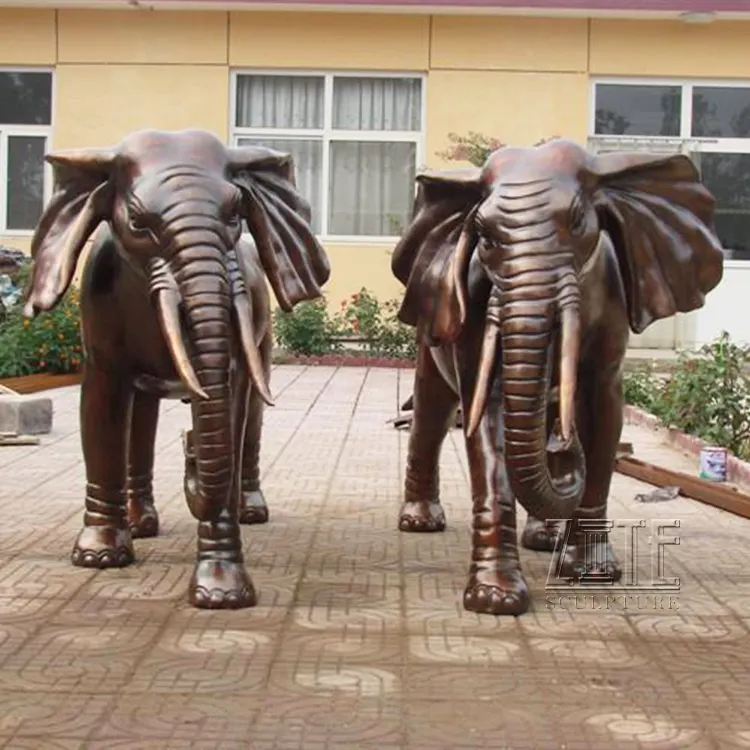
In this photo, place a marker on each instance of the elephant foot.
(494, 592)
(221, 584)
(540, 536)
(143, 519)
(590, 563)
(103, 547)
(422, 516)
(253, 509)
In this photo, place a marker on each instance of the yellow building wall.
(330, 41)
(670, 48)
(517, 79)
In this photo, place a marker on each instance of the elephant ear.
(279, 219)
(432, 257)
(82, 199)
(661, 220)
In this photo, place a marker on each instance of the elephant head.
(175, 202)
(531, 222)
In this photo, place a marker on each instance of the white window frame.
(689, 143)
(327, 134)
(7, 131)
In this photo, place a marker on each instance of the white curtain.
(371, 182)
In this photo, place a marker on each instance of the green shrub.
(311, 330)
(50, 343)
(307, 330)
(708, 395)
(640, 388)
(378, 324)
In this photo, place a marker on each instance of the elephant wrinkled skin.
(523, 279)
(174, 304)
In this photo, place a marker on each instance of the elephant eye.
(136, 224)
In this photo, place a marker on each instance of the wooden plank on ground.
(7, 438)
(712, 493)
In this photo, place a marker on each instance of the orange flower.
(26, 323)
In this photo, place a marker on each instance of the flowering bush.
(50, 343)
(311, 330)
(475, 147)
(378, 324)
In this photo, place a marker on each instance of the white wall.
(727, 307)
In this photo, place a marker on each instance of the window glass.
(727, 176)
(377, 103)
(721, 112)
(283, 102)
(645, 110)
(371, 187)
(24, 181)
(25, 98)
(370, 177)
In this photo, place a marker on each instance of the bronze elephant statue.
(523, 279)
(174, 304)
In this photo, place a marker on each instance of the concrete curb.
(738, 471)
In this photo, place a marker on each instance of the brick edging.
(738, 471)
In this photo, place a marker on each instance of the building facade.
(364, 96)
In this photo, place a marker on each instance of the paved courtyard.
(359, 639)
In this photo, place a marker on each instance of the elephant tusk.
(487, 360)
(252, 355)
(569, 351)
(167, 298)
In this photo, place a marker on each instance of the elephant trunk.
(201, 275)
(522, 318)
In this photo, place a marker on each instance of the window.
(25, 120)
(711, 122)
(355, 140)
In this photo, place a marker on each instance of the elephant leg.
(435, 406)
(142, 516)
(587, 550)
(220, 579)
(540, 536)
(496, 582)
(105, 540)
(253, 508)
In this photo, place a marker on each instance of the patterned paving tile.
(359, 639)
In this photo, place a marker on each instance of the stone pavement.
(359, 640)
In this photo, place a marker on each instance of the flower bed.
(50, 344)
